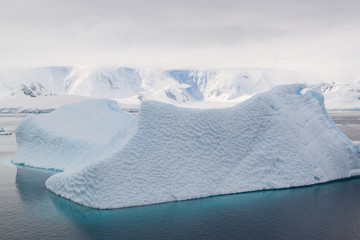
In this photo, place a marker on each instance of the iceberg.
(3, 132)
(277, 139)
(73, 135)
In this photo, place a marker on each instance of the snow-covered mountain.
(32, 82)
(179, 87)
(136, 85)
(340, 96)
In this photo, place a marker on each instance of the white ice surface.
(72, 135)
(278, 139)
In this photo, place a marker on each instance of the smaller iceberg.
(111, 159)
(3, 132)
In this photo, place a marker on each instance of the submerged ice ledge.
(111, 159)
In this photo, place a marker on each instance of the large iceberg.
(278, 139)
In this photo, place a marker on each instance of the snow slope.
(105, 82)
(278, 139)
(73, 135)
(339, 96)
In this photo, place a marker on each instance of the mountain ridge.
(176, 86)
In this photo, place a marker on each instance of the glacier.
(112, 159)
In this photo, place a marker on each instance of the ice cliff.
(278, 139)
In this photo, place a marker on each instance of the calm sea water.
(29, 211)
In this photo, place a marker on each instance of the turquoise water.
(326, 211)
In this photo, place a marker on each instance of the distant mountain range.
(131, 85)
(342, 96)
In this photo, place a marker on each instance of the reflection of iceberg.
(35, 199)
(282, 138)
(30, 183)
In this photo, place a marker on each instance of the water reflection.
(31, 183)
(327, 211)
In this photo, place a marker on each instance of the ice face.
(278, 139)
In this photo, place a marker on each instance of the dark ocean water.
(325, 211)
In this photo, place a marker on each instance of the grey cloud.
(260, 31)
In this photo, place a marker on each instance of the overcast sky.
(319, 37)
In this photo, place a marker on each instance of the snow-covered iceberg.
(3, 132)
(73, 135)
(278, 139)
